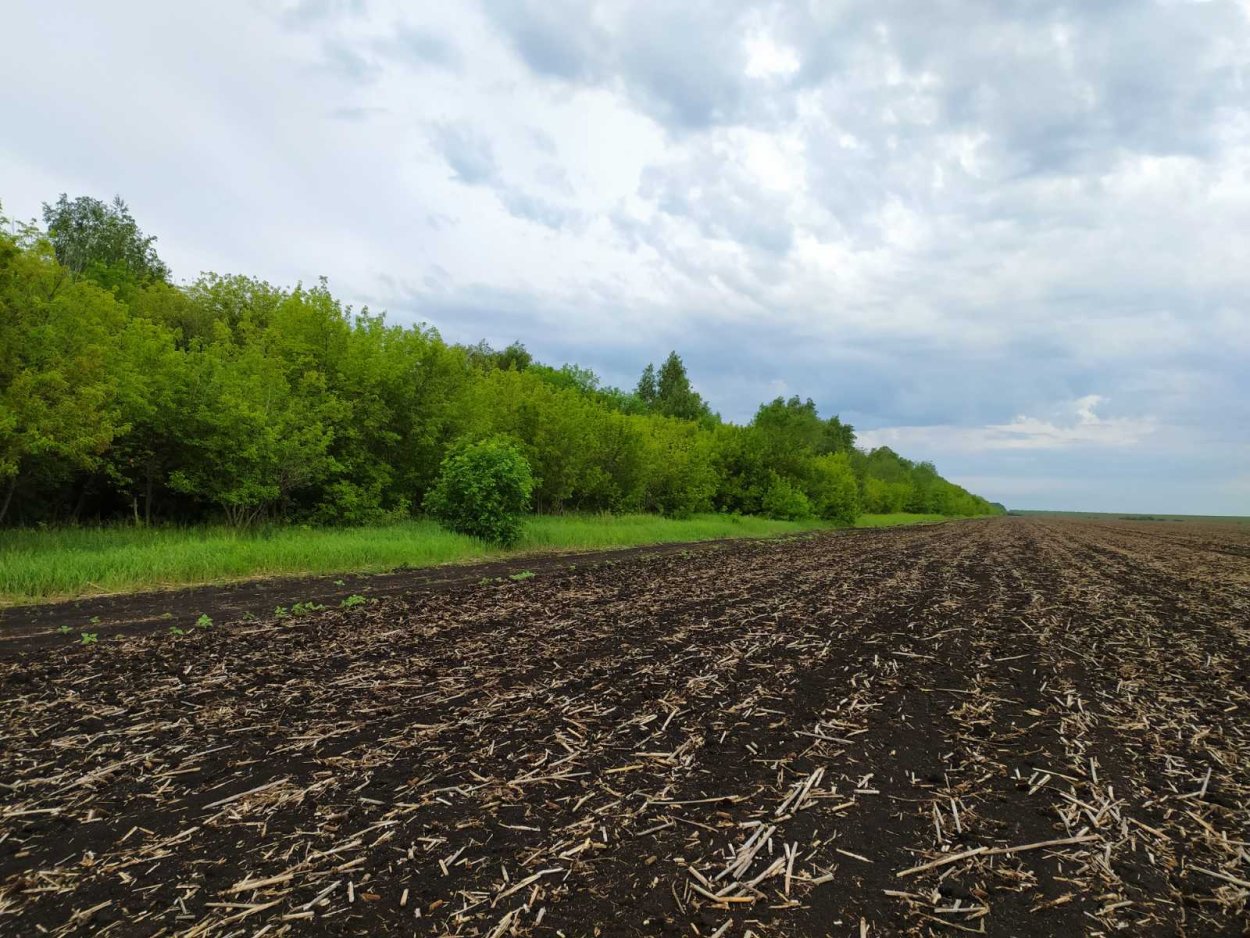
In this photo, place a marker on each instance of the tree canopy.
(125, 396)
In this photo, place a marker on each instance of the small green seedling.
(65, 630)
(94, 620)
(300, 609)
(485, 581)
(204, 621)
(167, 615)
(175, 631)
(351, 602)
(248, 616)
(340, 582)
(523, 575)
(89, 638)
(281, 612)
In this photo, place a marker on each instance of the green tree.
(648, 390)
(253, 439)
(151, 397)
(102, 241)
(675, 397)
(57, 380)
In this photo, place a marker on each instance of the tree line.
(126, 396)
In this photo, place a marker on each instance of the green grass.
(902, 517)
(42, 565)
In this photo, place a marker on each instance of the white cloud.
(1082, 428)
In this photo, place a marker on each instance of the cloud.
(1084, 428)
(946, 222)
(471, 158)
(468, 152)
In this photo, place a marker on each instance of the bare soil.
(27, 626)
(1003, 727)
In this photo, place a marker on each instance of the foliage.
(785, 500)
(483, 490)
(833, 488)
(102, 241)
(126, 397)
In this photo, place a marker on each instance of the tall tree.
(102, 241)
(647, 390)
(674, 395)
(57, 384)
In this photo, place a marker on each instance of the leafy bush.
(784, 501)
(833, 488)
(483, 490)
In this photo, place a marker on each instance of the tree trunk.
(147, 497)
(82, 498)
(8, 497)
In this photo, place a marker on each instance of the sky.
(1012, 238)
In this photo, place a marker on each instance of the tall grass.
(41, 565)
(61, 563)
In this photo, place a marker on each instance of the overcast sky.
(1012, 237)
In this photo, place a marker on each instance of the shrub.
(784, 501)
(483, 490)
(833, 489)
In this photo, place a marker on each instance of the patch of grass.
(902, 517)
(42, 565)
(522, 575)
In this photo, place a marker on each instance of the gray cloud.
(467, 152)
(472, 160)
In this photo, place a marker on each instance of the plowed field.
(1006, 727)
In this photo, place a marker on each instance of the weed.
(204, 621)
(65, 630)
(340, 582)
(300, 609)
(94, 620)
(523, 575)
(167, 615)
(89, 638)
(353, 601)
(175, 631)
(248, 616)
(281, 612)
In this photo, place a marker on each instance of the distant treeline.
(124, 396)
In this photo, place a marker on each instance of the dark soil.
(1006, 727)
(26, 627)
